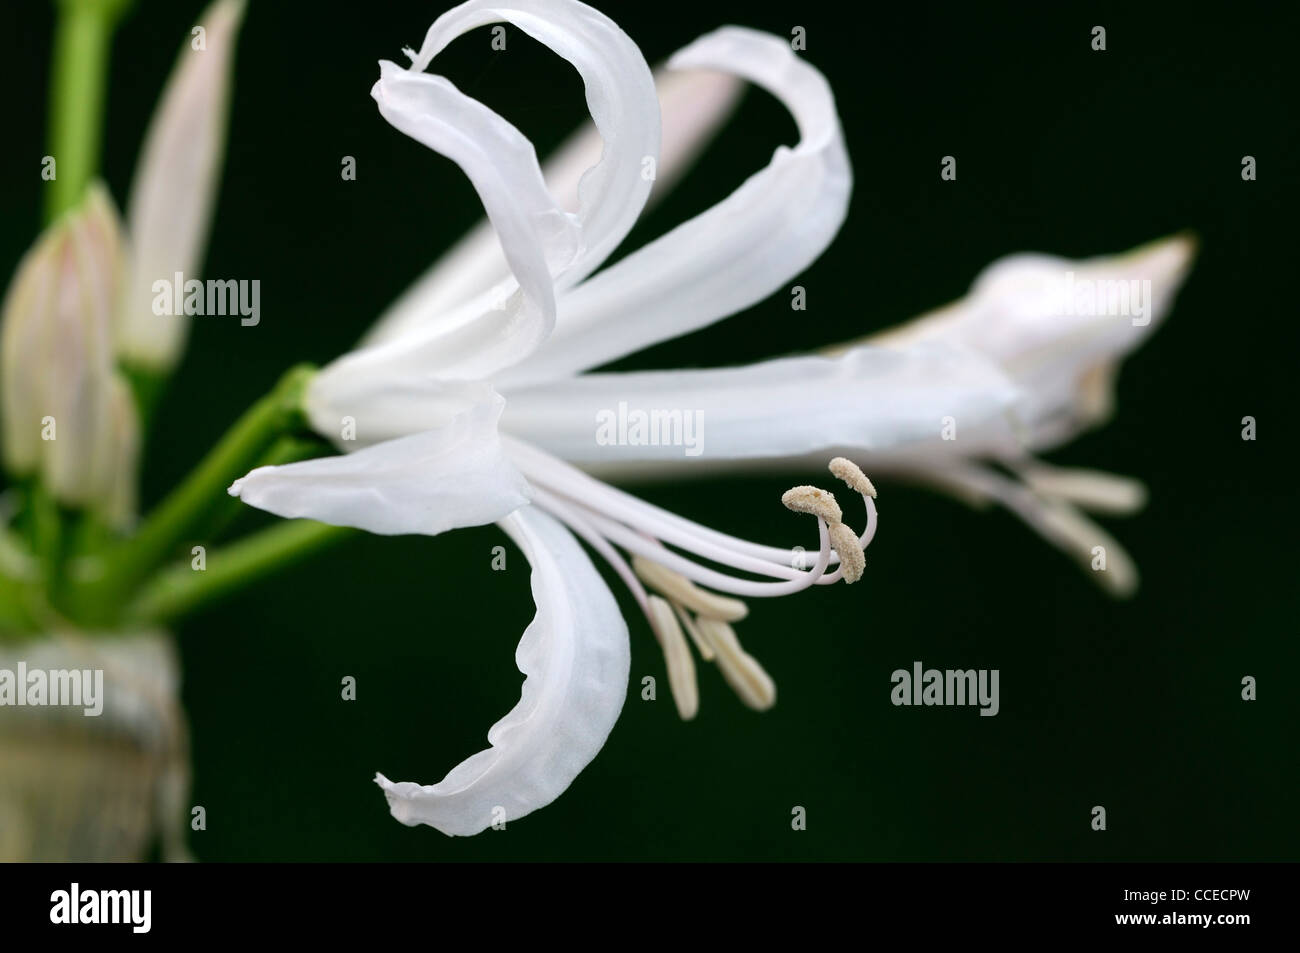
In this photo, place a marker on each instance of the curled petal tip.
(575, 658)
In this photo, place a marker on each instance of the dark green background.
(1134, 706)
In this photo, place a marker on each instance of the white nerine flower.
(447, 434)
(472, 400)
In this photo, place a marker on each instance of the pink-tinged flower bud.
(29, 298)
(57, 359)
(174, 187)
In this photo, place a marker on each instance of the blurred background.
(1132, 705)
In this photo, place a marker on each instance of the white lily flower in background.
(1058, 329)
(433, 450)
(1063, 355)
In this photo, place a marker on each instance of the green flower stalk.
(81, 52)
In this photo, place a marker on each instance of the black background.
(1135, 706)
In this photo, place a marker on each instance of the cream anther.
(814, 500)
(677, 588)
(846, 543)
(747, 678)
(677, 657)
(852, 474)
(697, 638)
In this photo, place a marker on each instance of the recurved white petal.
(693, 104)
(544, 246)
(537, 238)
(620, 97)
(575, 658)
(870, 399)
(175, 184)
(736, 253)
(429, 482)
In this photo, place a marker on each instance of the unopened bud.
(57, 354)
(174, 188)
(30, 296)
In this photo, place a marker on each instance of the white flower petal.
(537, 238)
(1018, 312)
(355, 411)
(873, 399)
(693, 104)
(575, 657)
(620, 97)
(426, 483)
(736, 253)
(174, 188)
(541, 242)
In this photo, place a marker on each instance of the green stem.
(46, 531)
(18, 570)
(198, 497)
(13, 611)
(81, 46)
(182, 589)
(147, 386)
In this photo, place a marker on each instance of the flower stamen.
(685, 602)
(693, 630)
(747, 678)
(677, 658)
(852, 562)
(852, 474)
(814, 500)
(822, 504)
(677, 588)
